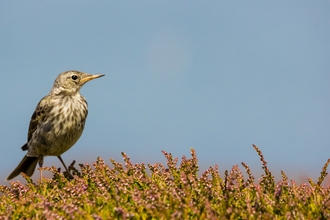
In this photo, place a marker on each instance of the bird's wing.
(39, 115)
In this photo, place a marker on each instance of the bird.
(57, 122)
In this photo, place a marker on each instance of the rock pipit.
(57, 122)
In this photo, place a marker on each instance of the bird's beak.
(89, 77)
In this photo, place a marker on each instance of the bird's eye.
(74, 77)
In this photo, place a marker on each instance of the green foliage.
(174, 191)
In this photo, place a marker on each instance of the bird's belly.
(64, 141)
(53, 138)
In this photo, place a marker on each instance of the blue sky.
(213, 76)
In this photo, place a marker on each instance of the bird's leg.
(41, 162)
(67, 170)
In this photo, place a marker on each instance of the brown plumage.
(57, 122)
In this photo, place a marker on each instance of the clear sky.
(215, 76)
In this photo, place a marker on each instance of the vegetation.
(174, 191)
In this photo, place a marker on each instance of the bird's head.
(71, 81)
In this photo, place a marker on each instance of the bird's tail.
(27, 166)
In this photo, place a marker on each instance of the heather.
(175, 190)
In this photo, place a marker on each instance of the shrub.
(174, 191)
